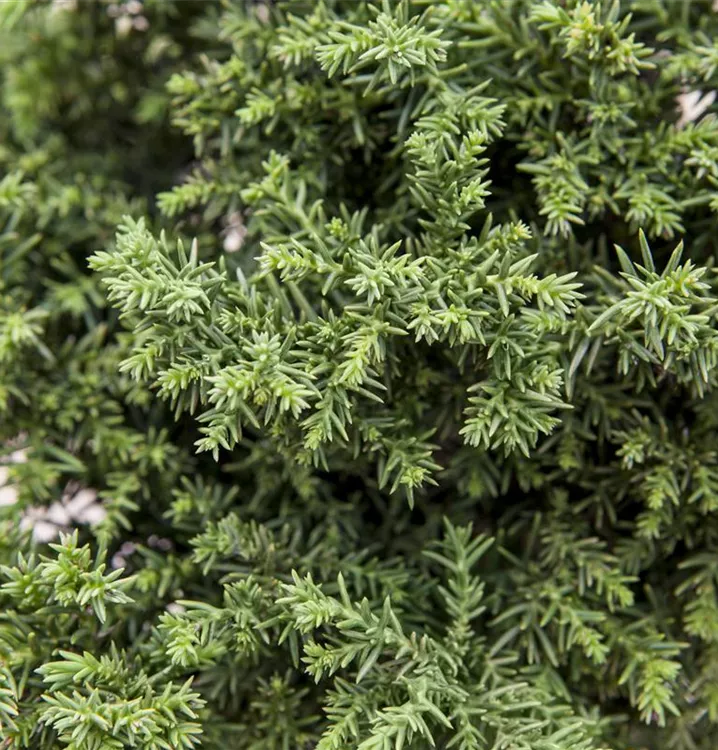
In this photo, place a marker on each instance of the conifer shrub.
(358, 367)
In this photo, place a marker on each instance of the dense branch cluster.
(384, 334)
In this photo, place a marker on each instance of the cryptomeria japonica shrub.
(358, 368)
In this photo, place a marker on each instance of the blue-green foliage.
(386, 334)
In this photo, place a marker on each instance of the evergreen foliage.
(386, 333)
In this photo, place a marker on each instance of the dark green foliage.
(385, 333)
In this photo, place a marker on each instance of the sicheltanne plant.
(385, 336)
